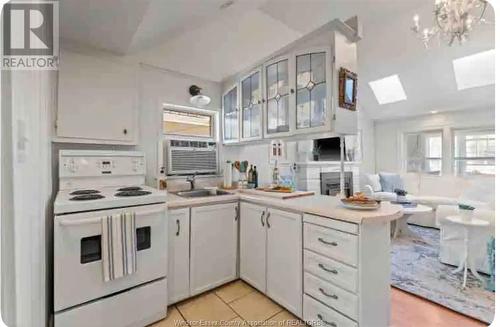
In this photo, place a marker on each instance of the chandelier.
(453, 20)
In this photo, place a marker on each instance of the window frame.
(426, 158)
(454, 158)
(214, 137)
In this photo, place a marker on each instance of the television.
(327, 149)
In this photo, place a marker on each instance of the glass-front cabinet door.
(313, 71)
(251, 106)
(277, 97)
(230, 117)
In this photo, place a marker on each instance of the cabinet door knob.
(267, 220)
(125, 131)
(292, 91)
(262, 218)
(237, 213)
(178, 227)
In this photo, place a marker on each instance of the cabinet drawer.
(332, 243)
(331, 271)
(318, 314)
(333, 296)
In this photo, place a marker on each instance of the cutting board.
(278, 195)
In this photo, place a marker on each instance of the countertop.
(321, 205)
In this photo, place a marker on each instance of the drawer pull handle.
(178, 227)
(320, 317)
(333, 271)
(333, 296)
(326, 242)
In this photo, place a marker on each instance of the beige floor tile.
(207, 307)
(237, 322)
(284, 319)
(234, 291)
(255, 308)
(174, 319)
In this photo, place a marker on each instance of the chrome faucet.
(191, 179)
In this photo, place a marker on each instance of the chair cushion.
(374, 181)
(390, 182)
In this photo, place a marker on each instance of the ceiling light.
(388, 89)
(475, 70)
(197, 99)
(434, 112)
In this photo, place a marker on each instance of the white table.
(402, 223)
(467, 261)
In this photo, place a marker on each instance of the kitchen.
(162, 156)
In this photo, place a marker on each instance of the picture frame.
(348, 89)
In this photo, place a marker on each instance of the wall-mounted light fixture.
(198, 99)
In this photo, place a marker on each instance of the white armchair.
(451, 240)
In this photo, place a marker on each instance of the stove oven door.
(78, 271)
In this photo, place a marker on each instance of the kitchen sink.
(201, 193)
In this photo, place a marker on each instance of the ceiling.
(199, 38)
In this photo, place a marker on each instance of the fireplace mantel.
(309, 173)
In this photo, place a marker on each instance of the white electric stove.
(95, 184)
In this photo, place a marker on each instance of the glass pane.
(303, 70)
(433, 166)
(272, 116)
(256, 121)
(246, 122)
(90, 249)
(303, 109)
(272, 81)
(318, 70)
(143, 238)
(434, 145)
(187, 123)
(246, 92)
(318, 105)
(255, 87)
(283, 125)
(283, 77)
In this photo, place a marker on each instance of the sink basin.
(200, 193)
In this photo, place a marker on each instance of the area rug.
(417, 270)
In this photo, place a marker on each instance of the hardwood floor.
(411, 311)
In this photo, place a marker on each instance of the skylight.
(388, 89)
(475, 70)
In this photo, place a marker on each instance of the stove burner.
(84, 192)
(130, 188)
(132, 193)
(87, 197)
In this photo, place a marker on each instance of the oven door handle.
(97, 220)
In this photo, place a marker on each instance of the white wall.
(158, 86)
(389, 135)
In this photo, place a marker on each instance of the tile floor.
(232, 305)
(238, 304)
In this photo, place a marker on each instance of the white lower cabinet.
(214, 244)
(253, 237)
(178, 255)
(271, 254)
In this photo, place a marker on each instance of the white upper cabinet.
(251, 106)
(97, 100)
(313, 91)
(278, 97)
(230, 116)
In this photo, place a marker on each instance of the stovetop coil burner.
(84, 192)
(129, 188)
(132, 193)
(87, 197)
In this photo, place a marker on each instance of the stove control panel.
(100, 163)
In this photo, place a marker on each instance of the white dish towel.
(118, 246)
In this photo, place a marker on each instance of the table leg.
(404, 229)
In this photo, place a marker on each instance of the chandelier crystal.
(453, 21)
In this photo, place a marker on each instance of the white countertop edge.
(314, 205)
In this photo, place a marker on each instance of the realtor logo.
(30, 35)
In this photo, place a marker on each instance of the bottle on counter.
(250, 175)
(255, 177)
(276, 173)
